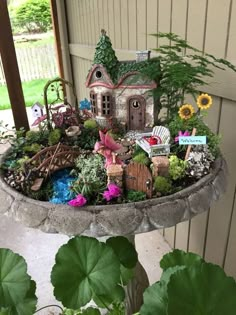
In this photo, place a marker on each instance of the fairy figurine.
(108, 147)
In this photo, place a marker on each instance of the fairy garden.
(136, 138)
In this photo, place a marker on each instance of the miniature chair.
(161, 137)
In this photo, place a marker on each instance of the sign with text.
(192, 140)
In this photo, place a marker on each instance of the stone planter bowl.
(116, 219)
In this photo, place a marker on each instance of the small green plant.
(90, 124)
(182, 70)
(91, 176)
(162, 185)
(142, 158)
(54, 136)
(177, 167)
(134, 196)
(88, 138)
(33, 148)
(178, 124)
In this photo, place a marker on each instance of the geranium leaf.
(125, 250)
(84, 267)
(165, 277)
(14, 280)
(28, 305)
(126, 274)
(116, 295)
(179, 258)
(201, 289)
(155, 300)
(91, 311)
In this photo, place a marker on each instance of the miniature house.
(37, 110)
(119, 90)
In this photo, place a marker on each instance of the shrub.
(162, 185)
(34, 15)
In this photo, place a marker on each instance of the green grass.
(36, 43)
(33, 92)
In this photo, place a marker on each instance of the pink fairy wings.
(108, 142)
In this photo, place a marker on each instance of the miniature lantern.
(37, 110)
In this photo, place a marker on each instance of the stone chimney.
(142, 55)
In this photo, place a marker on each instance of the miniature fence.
(34, 63)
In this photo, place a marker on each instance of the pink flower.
(182, 134)
(107, 195)
(114, 190)
(79, 201)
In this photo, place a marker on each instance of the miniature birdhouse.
(37, 110)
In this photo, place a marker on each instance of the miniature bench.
(162, 134)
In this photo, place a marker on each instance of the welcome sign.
(192, 140)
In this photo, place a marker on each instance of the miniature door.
(136, 117)
(138, 177)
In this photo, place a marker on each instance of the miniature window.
(106, 105)
(93, 101)
(136, 104)
(98, 74)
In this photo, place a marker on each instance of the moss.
(162, 185)
(90, 124)
(142, 159)
(54, 136)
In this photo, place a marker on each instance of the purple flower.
(79, 201)
(114, 190)
(182, 134)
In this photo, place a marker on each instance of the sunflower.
(186, 111)
(204, 101)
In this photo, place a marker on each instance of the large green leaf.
(28, 305)
(201, 290)
(14, 280)
(125, 250)
(179, 258)
(116, 295)
(155, 300)
(84, 267)
(126, 274)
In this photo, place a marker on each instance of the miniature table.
(117, 219)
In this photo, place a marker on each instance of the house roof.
(105, 56)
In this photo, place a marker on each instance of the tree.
(34, 15)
